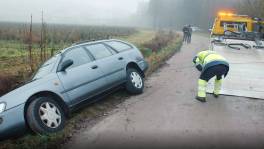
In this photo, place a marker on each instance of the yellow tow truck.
(231, 22)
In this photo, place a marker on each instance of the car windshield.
(46, 68)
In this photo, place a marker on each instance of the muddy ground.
(168, 116)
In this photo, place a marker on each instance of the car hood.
(14, 97)
(21, 94)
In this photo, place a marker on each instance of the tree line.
(201, 13)
(254, 8)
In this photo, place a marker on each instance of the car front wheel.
(135, 82)
(44, 115)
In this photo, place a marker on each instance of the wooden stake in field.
(41, 39)
(45, 40)
(30, 46)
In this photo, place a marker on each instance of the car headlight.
(2, 107)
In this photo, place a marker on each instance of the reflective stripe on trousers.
(202, 84)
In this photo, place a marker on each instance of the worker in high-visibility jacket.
(211, 65)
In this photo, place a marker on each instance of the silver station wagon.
(77, 75)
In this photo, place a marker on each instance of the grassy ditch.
(89, 115)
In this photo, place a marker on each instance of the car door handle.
(120, 58)
(94, 67)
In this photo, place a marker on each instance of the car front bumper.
(12, 122)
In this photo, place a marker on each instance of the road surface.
(168, 116)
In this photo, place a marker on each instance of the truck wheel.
(44, 115)
(135, 81)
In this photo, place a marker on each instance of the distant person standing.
(185, 31)
(189, 36)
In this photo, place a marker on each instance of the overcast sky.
(67, 11)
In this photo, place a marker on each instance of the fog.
(69, 11)
(177, 13)
(146, 13)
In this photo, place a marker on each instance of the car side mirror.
(65, 65)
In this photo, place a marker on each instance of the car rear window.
(119, 46)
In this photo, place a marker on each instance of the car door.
(111, 64)
(123, 52)
(84, 78)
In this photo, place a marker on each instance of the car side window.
(119, 46)
(99, 51)
(78, 55)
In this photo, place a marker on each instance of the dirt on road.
(168, 116)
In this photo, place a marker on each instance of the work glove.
(199, 67)
(194, 59)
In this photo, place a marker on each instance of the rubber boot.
(202, 84)
(217, 88)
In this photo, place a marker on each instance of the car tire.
(44, 115)
(135, 81)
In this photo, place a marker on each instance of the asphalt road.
(168, 116)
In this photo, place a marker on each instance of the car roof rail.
(91, 40)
